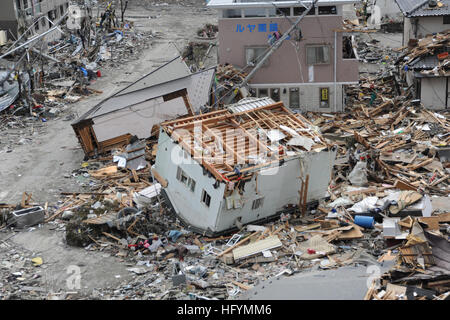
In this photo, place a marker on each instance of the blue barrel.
(363, 221)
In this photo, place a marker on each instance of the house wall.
(417, 28)
(288, 64)
(279, 186)
(309, 95)
(389, 9)
(187, 204)
(35, 9)
(433, 93)
(8, 20)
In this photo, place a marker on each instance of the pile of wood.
(402, 143)
(432, 45)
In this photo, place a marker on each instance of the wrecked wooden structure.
(243, 164)
(168, 92)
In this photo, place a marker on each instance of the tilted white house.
(227, 168)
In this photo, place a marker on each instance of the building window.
(254, 13)
(25, 4)
(298, 11)
(327, 10)
(347, 48)
(183, 177)
(61, 9)
(317, 55)
(36, 26)
(262, 93)
(275, 94)
(324, 98)
(191, 184)
(257, 203)
(447, 19)
(206, 198)
(294, 98)
(254, 54)
(232, 13)
(283, 12)
(19, 6)
(252, 92)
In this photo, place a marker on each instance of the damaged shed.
(169, 92)
(227, 168)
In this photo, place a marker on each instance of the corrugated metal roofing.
(172, 65)
(421, 8)
(175, 69)
(427, 63)
(249, 104)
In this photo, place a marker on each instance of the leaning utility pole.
(274, 47)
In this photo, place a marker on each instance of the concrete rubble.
(387, 204)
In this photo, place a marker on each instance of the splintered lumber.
(160, 179)
(107, 171)
(241, 285)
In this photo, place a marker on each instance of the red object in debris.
(311, 251)
(99, 74)
(442, 56)
(37, 106)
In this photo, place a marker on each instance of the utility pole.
(274, 48)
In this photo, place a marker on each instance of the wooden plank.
(160, 179)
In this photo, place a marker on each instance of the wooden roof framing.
(227, 143)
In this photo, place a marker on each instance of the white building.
(424, 17)
(228, 168)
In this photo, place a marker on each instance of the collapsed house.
(247, 163)
(426, 67)
(168, 92)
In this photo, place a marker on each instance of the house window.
(275, 94)
(446, 19)
(294, 98)
(257, 203)
(283, 12)
(185, 179)
(191, 184)
(327, 10)
(298, 11)
(25, 4)
(232, 13)
(262, 93)
(206, 198)
(324, 98)
(347, 48)
(61, 9)
(254, 13)
(254, 54)
(317, 55)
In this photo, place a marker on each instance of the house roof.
(174, 78)
(421, 8)
(249, 103)
(233, 145)
(230, 4)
